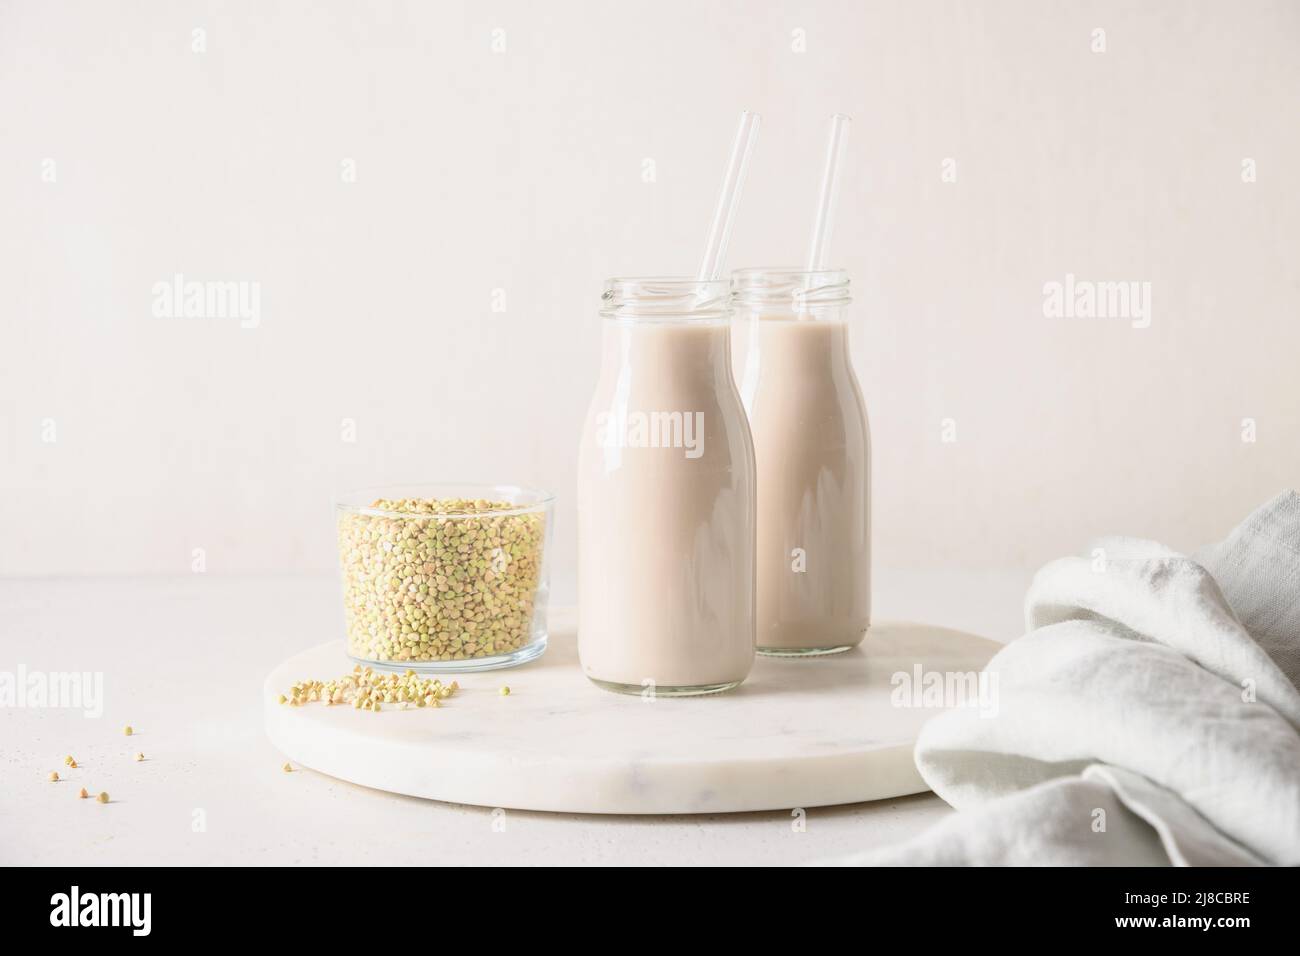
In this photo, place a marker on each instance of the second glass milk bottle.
(666, 497)
(813, 450)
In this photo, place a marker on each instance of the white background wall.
(522, 170)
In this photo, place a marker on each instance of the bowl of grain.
(445, 578)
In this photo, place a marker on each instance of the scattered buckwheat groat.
(103, 796)
(287, 768)
(54, 776)
(505, 691)
(139, 757)
(69, 761)
(127, 730)
(446, 580)
(367, 689)
(83, 794)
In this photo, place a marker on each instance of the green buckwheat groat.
(448, 580)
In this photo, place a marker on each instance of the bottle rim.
(666, 298)
(800, 290)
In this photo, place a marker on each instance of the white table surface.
(183, 661)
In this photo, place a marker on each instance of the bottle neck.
(788, 349)
(672, 350)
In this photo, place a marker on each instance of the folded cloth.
(1151, 715)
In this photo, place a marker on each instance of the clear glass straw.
(720, 232)
(819, 248)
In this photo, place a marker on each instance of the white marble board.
(797, 733)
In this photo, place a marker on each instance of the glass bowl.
(445, 578)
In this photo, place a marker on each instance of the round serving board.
(798, 733)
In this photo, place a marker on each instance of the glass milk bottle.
(813, 451)
(666, 497)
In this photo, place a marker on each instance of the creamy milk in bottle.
(811, 443)
(666, 502)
